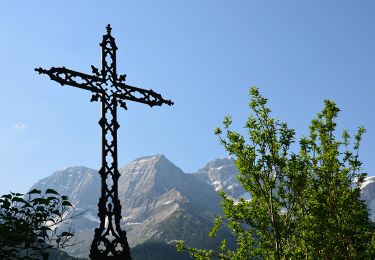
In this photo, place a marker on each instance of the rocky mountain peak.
(149, 174)
(219, 163)
(150, 159)
(149, 177)
(145, 163)
(221, 174)
(79, 183)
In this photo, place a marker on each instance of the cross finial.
(109, 29)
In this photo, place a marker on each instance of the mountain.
(368, 194)
(81, 184)
(160, 203)
(221, 175)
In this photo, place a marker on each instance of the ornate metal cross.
(110, 240)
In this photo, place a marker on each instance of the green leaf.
(227, 121)
(38, 201)
(66, 203)
(16, 194)
(51, 191)
(17, 199)
(7, 196)
(6, 204)
(35, 191)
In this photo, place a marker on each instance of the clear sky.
(204, 55)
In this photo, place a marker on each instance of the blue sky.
(204, 55)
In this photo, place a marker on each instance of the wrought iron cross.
(110, 240)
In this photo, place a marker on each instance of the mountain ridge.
(160, 203)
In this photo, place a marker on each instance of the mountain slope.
(159, 202)
(221, 175)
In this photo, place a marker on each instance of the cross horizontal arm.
(73, 78)
(144, 96)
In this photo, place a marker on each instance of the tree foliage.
(304, 204)
(32, 224)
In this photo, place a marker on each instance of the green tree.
(334, 221)
(301, 203)
(32, 224)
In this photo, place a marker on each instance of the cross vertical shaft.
(109, 237)
(110, 241)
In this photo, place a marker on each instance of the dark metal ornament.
(110, 240)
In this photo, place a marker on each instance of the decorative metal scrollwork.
(110, 240)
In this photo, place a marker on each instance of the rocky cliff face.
(221, 175)
(154, 192)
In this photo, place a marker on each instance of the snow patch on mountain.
(368, 181)
(221, 175)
